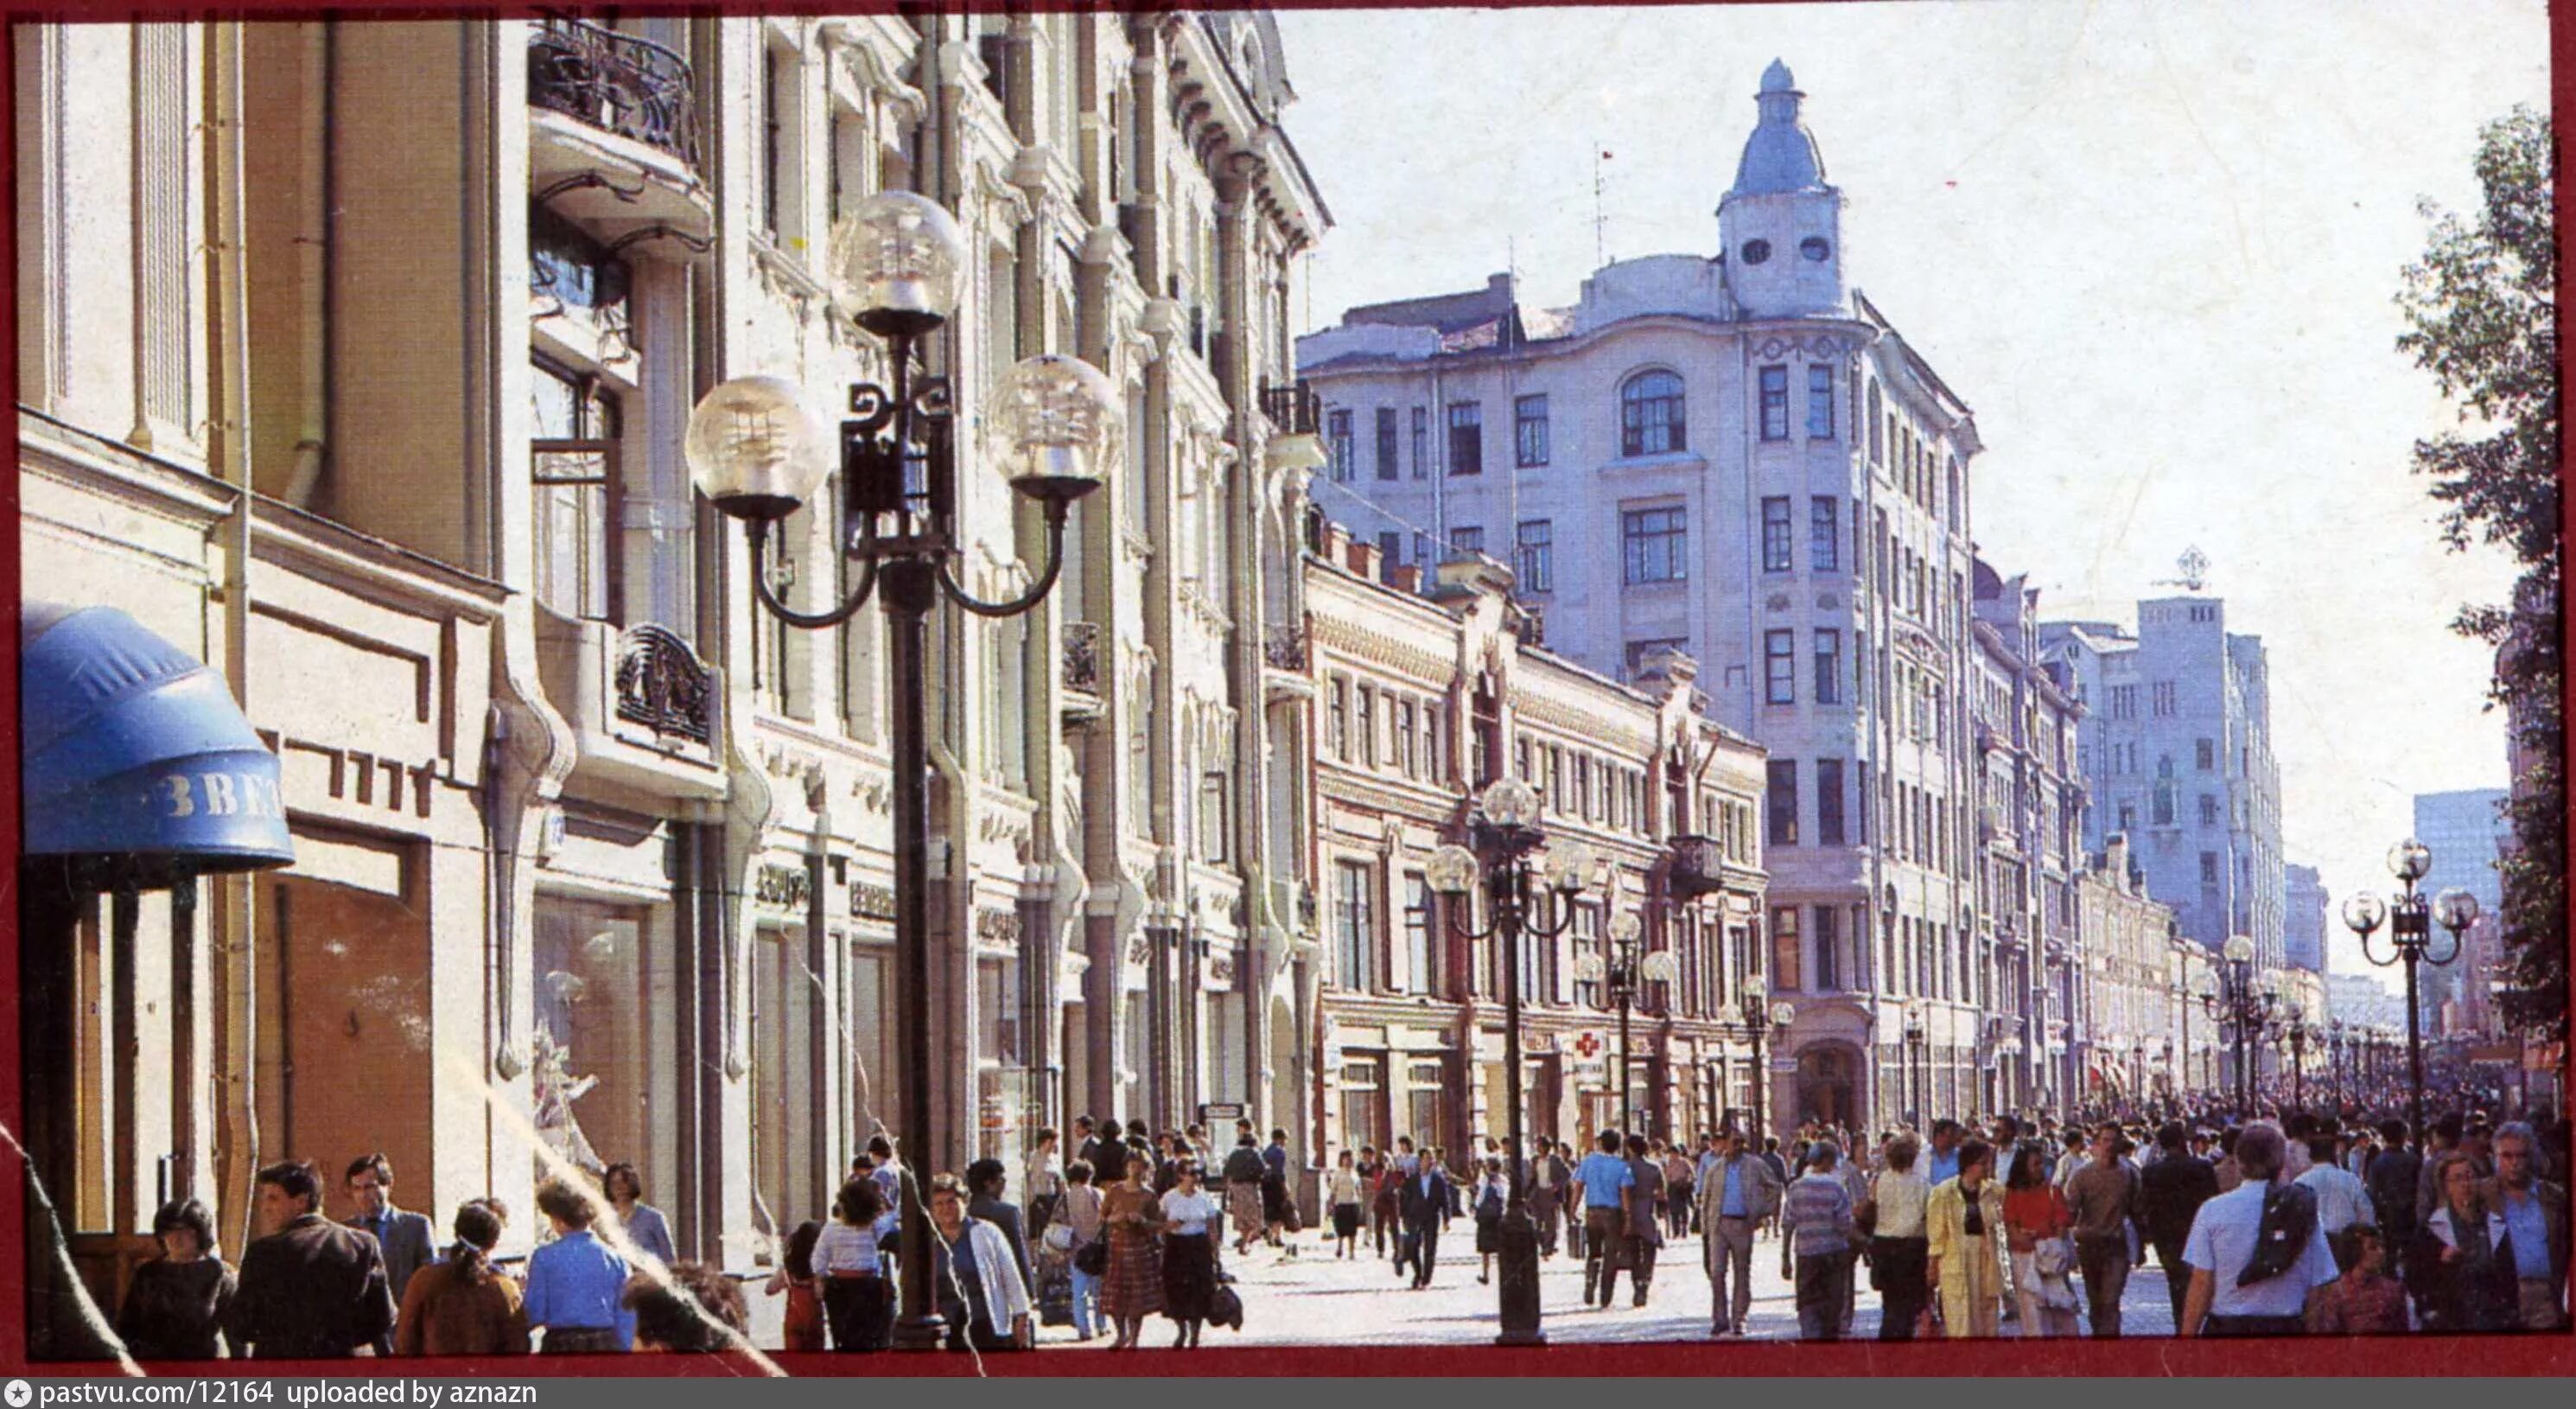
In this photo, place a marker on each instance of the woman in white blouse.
(1079, 1226)
(1900, 1244)
(1190, 1219)
(1349, 1206)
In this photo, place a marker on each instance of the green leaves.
(2481, 316)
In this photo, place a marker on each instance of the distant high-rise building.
(2303, 920)
(2176, 752)
(2466, 831)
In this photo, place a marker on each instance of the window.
(1829, 666)
(2208, 810)
(1466, 438)
(1781, 802)
(1386, 443)
(1650, 415)
(1364, 735)
(1421, 442)
(1877, 437)
(2164, 701)
(1364, 1105)
(2209, 868)
(1828, 940)
(1820, 402)
(2128, 814)
(1529, 431)
(2124, 702)
(2204, 754)
(1780, 667)
(1775, 535)
(1785, 968)
(1390, 553)
(1337, 726)
(2163, 812)
(1354, 928)
(1643, 653)
(1421, 958)
(1337, 432)
(574, 468)
(777, 80)
(1860, 801)
(1657, 542)
(1775, 403)
(1829, 804)
(1212, 816)
(1533, 557)
(1467, 538)
(1824, 536)
(1404, 733)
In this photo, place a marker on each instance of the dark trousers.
(1423, 1246)
(859, 1311)
(1824, 1284)
(1383, 1227)
(1897, 1267)
(2256, 1326)
(1604, 1230)
(2105, 1264)
(2177, 1278)
(1544, 1215)
(1637, 1255)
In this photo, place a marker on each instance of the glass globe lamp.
(1056, 418)
(1589, 968)
(2364, 913)
(1783, 1014)
(755, 450)
(2409, 860)
(1570, 867)
(1660, 967)
(1451, 870)
(1625, 927)
(2239, 950)
(1755, 990)
(1509, 802)
(898, 263)
(2456, 908)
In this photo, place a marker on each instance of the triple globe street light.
(1623, 973)
(759, 454)
(2409, 915)
(2243, 1005)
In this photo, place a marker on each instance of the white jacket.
(1006, 1297)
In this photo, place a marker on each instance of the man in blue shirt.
(2535, 1221)
(1942, 1164)
(1605, 1179)
(1737, 1193)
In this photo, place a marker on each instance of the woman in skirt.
(1190, 1223)
(1133, 1288)
(1492, 1193)
(1346, 1197)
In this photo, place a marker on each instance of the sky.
(2154, 246)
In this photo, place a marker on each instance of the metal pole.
(1627, 1074)
(2414, 1049)
(1519, 1307)
(911, 589)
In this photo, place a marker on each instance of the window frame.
(1466, 425)
(1530, 432)
(1779, 550)
(1534, 559)
(1772, 394)
(1653, 407)
(1824, 533)
(1828, 656)
(1665, 528)
(1820, 401)
(1780, 666)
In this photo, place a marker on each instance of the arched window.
(1650, 415)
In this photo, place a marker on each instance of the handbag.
(1865, 1216)
(1092, 1258)
(1225, 1308)
(1059, 1237)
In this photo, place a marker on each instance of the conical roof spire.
(1780, 155)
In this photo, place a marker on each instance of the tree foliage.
(2482, 319)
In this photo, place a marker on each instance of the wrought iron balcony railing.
(662, 685)
(620, 83)
(1284, 648)
(1294, 409)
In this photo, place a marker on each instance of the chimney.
(1360, 556)
(1337, 542)
(1405, 577)
(2115, 859)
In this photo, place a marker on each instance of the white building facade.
(1737, 456)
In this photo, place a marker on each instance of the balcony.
(613, 132)
(1284, 648)
(1699, 866)
(646, 712)
(1294, 409)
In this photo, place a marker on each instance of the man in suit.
(1545, 1177)
(403, 1238)
(2170, 1193)
(1737, 1194)
(2394, 1175)
(1423, 1202)
(312, 1289)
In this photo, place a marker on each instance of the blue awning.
(135, 756)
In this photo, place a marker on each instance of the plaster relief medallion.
(1828, 601)
(1777, 601)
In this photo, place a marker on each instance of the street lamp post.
(758, 454)
(1761, 1016)
(2410, 933)
(2231, 995)
(1914, 1040)
(1504, 833)
(1625, 970)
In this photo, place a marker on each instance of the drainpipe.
(237, 1132)
(316, 180)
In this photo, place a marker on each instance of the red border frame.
(2382, 1356)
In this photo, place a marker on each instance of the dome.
(1780, 155)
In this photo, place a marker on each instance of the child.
(795, 1276)
(2365, 1300)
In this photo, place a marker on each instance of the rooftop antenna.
(1600, 212)
(2194, 566)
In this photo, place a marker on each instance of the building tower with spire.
(1780, 226)
(1733, 454)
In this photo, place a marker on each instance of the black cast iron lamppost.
(2410, 934)
(1914, 1039)
(1504, 833)
(2242, 1007)
(758, 454)
(1761, 1018)
(1625, 970)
